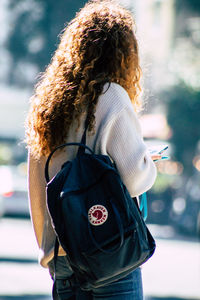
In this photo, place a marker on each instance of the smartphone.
(159, 149)
(162, 158)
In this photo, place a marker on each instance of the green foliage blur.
(183, 97)
(33, 36)
(184, 119)
(191, 4)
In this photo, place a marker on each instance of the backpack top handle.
(82, 147)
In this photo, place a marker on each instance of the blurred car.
(13, 191)
(1, 206)
(182, 213)
(15, 204)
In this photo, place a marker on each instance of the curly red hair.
(97, 46)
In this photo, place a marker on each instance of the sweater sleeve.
(123, 142)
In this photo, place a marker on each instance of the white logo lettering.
(97, 215)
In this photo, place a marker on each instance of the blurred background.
(169, 38)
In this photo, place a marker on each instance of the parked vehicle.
(1, 206)
(13, 191)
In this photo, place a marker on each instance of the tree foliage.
(190, 4)
(183, 118)
(33, 37)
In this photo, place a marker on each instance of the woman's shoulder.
(113, 104)
(116, 90)
(114, 97)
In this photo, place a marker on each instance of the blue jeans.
(127, 288)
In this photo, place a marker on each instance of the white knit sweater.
(117, 134)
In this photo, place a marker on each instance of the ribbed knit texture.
(117, 134)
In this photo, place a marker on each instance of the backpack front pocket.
(108, 264)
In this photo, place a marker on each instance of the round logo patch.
(97, 215)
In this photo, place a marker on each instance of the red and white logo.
(97, 215)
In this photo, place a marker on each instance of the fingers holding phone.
(156, 152)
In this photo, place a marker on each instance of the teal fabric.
(143, 205)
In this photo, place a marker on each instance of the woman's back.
(117, 134)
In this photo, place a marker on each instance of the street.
(172, 273)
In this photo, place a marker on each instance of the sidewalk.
(173, 273)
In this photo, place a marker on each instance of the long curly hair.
(97, 46)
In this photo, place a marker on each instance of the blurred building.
(155, 126)
(155, 27)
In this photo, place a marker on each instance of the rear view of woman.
(94, 73)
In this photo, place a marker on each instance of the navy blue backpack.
(96, 221)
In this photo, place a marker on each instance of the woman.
(95, 72)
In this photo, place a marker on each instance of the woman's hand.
(156, 152)
(156, 157)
